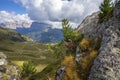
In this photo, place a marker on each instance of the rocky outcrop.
(7, 72)
(79, 54)
(89, 24)
(106, 65)
(3, 59)
(60, 73)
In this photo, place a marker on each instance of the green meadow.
(19, 52)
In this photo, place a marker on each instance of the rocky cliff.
(106, 65)
(89, 24)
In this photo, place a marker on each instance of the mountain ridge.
(11, 35)
(42, 32)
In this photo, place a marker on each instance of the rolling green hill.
(7, 34)
(18, 48)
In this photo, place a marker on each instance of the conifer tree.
(106, 9)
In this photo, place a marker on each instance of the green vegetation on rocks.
(106, 10)
(69, 33)
(71, 36)
(27, 69)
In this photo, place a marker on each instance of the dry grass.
(18, 63)
(40, 67)
(87, 47)
(86, 43)
(88, 59)
(71, 73)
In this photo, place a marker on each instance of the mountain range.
(42, 32)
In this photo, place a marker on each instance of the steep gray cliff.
(89, 24)
(106, 65)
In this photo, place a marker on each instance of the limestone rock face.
(106, 65)
(89, 24)
(117, 10)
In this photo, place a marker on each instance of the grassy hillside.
(25, 51)
(47, 72)
(19, 52)
(19, 48)
(10, 35)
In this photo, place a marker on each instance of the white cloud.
(12, 20)
(55, 10)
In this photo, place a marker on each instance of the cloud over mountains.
(56, 10)
(53, 11)
(12, 20)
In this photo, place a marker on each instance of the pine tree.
(67, 29)
(69, 33)
(71, 36)
(106, 10)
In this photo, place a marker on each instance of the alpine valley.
(42, 32)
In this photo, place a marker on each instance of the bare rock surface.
(89, 24)
(107, 64)
(60, 73)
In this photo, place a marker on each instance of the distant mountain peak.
(42, 32)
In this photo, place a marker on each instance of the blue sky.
(11, 6)
(45, 11)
